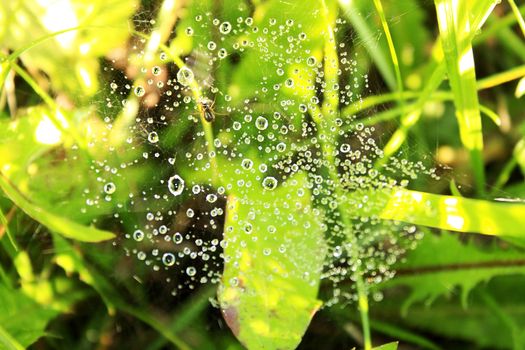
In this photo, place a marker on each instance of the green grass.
(442, 56)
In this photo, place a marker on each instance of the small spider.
(206, 109)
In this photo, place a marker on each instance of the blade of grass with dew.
(482, 84)
(65, 227)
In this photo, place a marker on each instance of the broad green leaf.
(273, 263)
(442, 263)
(22, 319)
(389, 346)
(56, 223)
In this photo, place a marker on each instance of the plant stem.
(518, 15)
(328, 133)
(393, 53)
(197, 96)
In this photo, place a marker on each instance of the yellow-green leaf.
(273, 263)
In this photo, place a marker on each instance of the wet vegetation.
(262, 174)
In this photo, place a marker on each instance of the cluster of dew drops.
(270, 132)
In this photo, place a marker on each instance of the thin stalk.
(4, 229)
(518, 15)
(197, 96)
(482, 84)
(329, 131)
(505, 174)
(393, 53)
(63, 125)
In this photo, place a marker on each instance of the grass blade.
(518, 15)
(392, 49)
(454, 26)
(368, 36)
(65, 227)
(7, 341)
(456, 214)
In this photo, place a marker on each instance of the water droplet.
(138, 235)
(247, 164)
(191, 271)
(139, 91)
(261, 123)
(270, 183)
(156, 70)
(168, 259)
(175, 185)
(345, 148)
(177, 238)
(153, 137)
(185, 76)
(211, 198)
(212, 46)
(110, 188)
(281, 147)
(225, 27)
(222, 53)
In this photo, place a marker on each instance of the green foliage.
(56, 65)
(22, 320)
(457, 266)
(456, 38)
(56, 223)
(389, 346)
(269, 302)
(452, 213)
